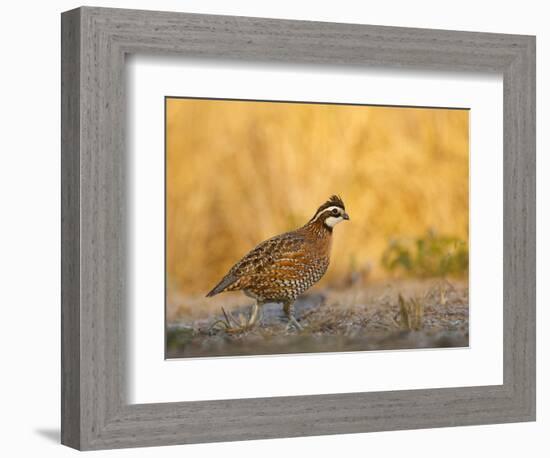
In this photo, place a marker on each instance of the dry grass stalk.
(411, 313)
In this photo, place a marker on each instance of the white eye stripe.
(325, 210)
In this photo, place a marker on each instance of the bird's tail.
(223, 285)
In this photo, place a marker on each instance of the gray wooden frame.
(95, 412)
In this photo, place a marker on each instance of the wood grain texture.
(95, 410)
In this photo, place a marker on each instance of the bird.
(283, 267)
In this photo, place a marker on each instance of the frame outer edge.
(532, 254)
(520, 232)
(528, 194)
(92, 386)
(70, 229)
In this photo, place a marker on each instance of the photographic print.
(300, 227)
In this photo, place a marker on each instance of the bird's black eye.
(334, 211)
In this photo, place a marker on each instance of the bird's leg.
(288, 307)
(255, 315)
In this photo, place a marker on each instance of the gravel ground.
(404, 314)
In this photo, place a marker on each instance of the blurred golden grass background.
(240, 172)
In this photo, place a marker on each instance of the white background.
(155, 380)
(29, 233)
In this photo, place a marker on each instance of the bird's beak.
(345, 216)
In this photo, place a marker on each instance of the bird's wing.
(282, 252)
(269, 255)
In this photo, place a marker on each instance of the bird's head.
(331, 213)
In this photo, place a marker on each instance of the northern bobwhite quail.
(283, 267)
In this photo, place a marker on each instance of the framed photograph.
(398, 276)
(277, 228)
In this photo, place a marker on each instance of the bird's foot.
(293, 323)
(288, 308)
